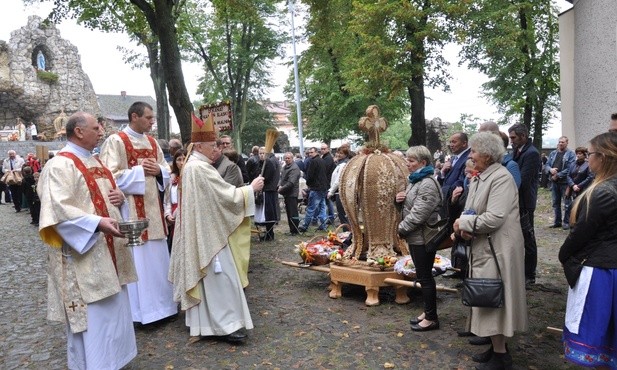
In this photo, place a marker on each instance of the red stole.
(132, 155)
(100, 207)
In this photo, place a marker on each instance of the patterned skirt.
(590, 333)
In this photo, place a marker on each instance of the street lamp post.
(291, 5)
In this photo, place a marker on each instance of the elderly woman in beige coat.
(492, 206)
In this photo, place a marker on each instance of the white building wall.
(595, 67)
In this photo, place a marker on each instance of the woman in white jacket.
(342, 157)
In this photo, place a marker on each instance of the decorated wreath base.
(405, 266)
(316, 253)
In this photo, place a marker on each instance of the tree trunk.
(538, 123)
(157, 74)
(179, 98)
(529, 85)
(418, 121)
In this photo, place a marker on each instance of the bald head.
(489, 126)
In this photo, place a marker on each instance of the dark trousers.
(291, 209)
(16, 196)
(35, 211)
(342, 216)
(424, 275)
(558, 191)
(4, 188)
(330, 210)
(531, 248)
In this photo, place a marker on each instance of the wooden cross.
(373, 124)
(72, 306)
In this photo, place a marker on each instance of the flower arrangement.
(382, 262)
(316, 253)
(405, 266)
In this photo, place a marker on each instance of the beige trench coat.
(494, 198)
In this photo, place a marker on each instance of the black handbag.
(483, 292)
(434, 235)
(459, 250)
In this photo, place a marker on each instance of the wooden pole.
(415, 284)
(312, 268)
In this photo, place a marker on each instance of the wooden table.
(371, 279)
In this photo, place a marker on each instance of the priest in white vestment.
(89, 263)
(203, 271)
(140, 169)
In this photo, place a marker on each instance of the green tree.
(236, 41)
(330, 109)
(254, 134)
(399, 51)
(515, 44)
(396, 135)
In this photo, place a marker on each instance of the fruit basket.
(405, 266)
(339, 236)
(316, 252)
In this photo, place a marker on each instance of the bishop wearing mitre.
(202, 269)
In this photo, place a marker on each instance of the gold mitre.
(202, 131)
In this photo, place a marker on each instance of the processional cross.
(373, 124)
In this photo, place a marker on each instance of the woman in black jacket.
(589, 258)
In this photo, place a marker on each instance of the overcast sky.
(109, 75)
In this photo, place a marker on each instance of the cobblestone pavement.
(296, 325)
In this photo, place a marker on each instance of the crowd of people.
(103, 290)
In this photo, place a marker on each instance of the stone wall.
(23, 94)
(24, 147)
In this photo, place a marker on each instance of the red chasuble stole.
(100, 207)
(132, 155)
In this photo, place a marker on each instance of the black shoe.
(479, 341)
(555, 226)
(483, 357)
(464, 333)
(237, 336)
(497, 361)
(486, 355)
(454, 275)
(566, 227)
(432, 326)
(415, 320)
(529, 283)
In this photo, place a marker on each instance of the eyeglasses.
(598, 153)
(225, 143)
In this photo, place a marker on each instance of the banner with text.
(221, 115)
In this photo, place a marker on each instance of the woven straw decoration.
(368, 196)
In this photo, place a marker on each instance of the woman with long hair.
(170, 199)
(589, 259)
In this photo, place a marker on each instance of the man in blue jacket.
(451, 177)
(558, 167)
(453, 174)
